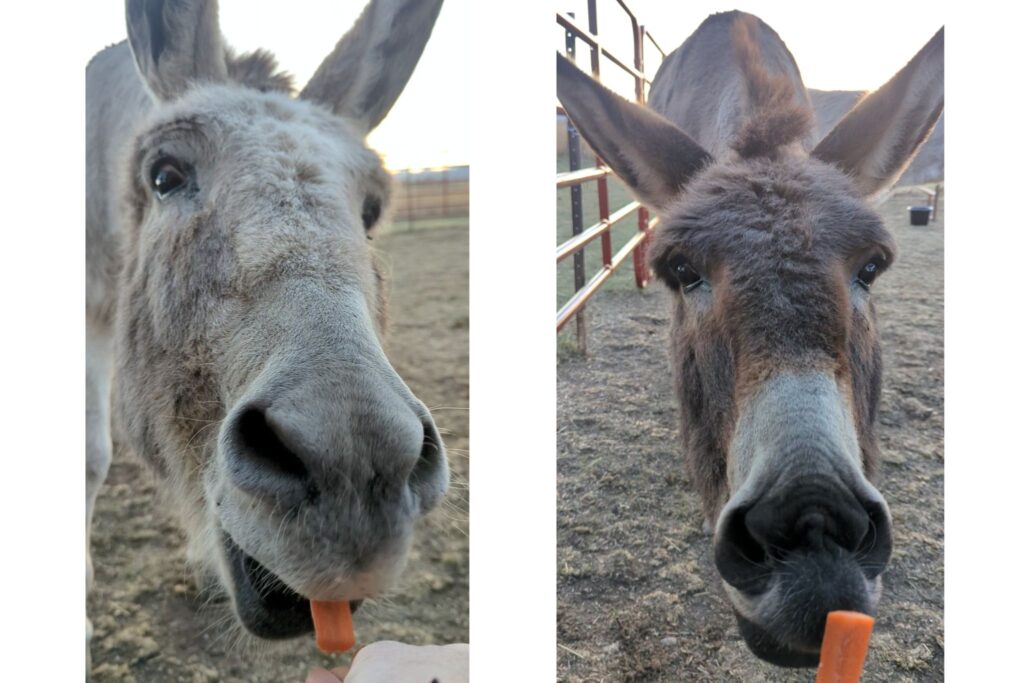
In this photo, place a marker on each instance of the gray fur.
(253, 287)
(388, 38)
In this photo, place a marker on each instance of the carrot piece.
(333, 624)
(844, 647)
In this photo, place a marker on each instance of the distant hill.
(928, 166)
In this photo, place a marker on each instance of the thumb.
(319, 675)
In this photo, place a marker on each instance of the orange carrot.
(844, 648)
(333, 624)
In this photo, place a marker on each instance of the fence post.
(409, 208)
(444, 192)
(579, 268)
(640, 274)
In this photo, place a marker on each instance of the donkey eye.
(166, 176)
(685, 274)
(371, 211)
(869, 271)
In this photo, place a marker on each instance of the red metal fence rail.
(576, 177)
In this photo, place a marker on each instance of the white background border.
(512, 354)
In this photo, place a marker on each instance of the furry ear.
(364, 75)
(175, 43)
(651, 155)
(879, 137)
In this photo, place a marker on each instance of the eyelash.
(685, 275)
(870, 271)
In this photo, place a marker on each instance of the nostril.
(428, 479)
(263, 461)
(740, 557)
(430, 455)
(875, 548)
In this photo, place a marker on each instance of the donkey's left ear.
(879, 137)
(175, 44)
(366, 72)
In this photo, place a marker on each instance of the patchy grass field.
(638, 596)
(152, 625)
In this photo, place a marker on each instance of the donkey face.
(250, 369)
(778, 369)
(770, 254)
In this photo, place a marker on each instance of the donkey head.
(770, 254)
(250, 369)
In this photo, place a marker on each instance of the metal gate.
(576, 177)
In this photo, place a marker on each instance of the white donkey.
(234, 308)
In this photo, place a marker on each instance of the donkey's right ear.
(175, 43)
(649, 153)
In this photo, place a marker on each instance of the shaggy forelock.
(258, 69)
(778, 118)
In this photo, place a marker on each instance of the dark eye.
(371, 211)
(870, 270)
(685, 274)
(166, 176)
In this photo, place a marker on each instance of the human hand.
(387, 661)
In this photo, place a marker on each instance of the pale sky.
(838, 46)
(429, 124)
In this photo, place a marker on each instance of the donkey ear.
(369, 67)
(649, 153)
(879, 137)
(175, 43)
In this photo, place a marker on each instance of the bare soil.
(151, 623)
(638, 595)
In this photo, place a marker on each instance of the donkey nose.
(811, 516)
(276, 456)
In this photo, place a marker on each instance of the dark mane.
(777, 118)
(258, 69)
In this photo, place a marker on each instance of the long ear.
(879, 137)
(649, 153)
(366, 72)
(176, 43)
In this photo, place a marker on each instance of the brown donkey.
(769, 247)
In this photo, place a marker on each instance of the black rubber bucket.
(919, 215)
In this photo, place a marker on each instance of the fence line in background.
(430, 195)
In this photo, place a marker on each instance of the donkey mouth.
(770, 649)
(794, 610)
(264, 604)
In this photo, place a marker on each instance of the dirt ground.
(151, 623)
(638, 596)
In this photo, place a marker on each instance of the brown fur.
(775, 350)
(778, 118)
(777, 239)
